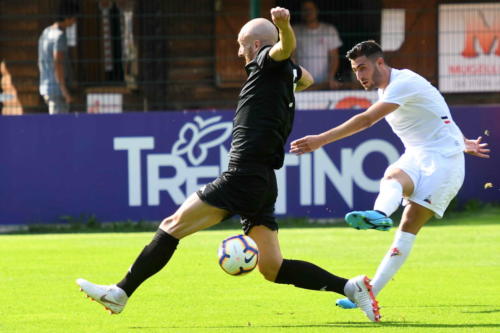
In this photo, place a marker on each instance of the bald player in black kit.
(262, 123)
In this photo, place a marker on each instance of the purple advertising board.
(141, 166)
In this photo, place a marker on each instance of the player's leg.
(262, 227)
(440, 178)
(395, 184)
(303, 274)
(193, 215)
(413, 219)
(398, 181)
(270, 258)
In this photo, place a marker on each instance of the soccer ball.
(238, 255)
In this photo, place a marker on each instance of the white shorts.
(436, 178)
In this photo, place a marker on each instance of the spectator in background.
(52, 57)
(318, 47)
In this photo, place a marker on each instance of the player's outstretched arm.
(284, 48)
(356, 124)
(305, 81)
(476, 148)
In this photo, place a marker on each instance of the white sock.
(393, 260)
(389, 197)
(349, 289)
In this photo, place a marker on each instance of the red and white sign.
(469, 47)
(104, 103)
(332, 99)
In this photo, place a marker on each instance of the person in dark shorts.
(261, 126)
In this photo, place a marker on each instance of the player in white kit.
(429, 173)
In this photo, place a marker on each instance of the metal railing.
(126, 55)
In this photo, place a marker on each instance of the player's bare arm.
(476, 148)
(284, 48)
(354, 125)
(305, 81)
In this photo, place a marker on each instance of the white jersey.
(313, 46)
(423, 120)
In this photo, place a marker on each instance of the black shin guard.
(151, 260)
(305, 275)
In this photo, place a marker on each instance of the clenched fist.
(280, 17)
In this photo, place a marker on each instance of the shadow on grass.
(409, 324)
(485, 311)
(347, 324)
(442, 306)
(355, 324)
(493, 308)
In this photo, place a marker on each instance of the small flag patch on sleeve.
(446, 120)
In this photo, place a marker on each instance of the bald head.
(254, 35)
(259, 29)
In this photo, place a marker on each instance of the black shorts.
(248, 191)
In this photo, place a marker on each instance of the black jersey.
(265, 112)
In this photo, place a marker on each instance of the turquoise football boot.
(345, 303)
(368, 219)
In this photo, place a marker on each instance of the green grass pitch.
(450, 283)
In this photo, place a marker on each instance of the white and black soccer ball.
(238, 255)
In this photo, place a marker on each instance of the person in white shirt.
(318, 47)
(52, 60)
(429, 173)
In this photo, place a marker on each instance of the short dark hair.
(67, 9)
(368, 48)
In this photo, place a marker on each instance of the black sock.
(305, 275)
(151, 260)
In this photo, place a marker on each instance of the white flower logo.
(191, 138)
